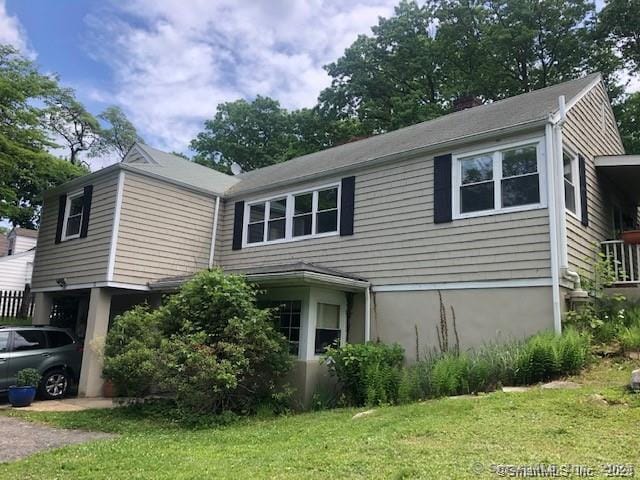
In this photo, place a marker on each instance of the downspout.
(214, 230)
(553, 228)
(367, 314)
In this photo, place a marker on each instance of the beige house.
(497, 207)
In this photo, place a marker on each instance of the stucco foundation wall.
(482, 316)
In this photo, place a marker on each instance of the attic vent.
(466, 101)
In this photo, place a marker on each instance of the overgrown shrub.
(630, 338)
(368, 373)
(209, 345)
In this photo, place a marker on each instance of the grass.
(446, 438)
(15, 321)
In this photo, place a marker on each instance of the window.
(73, 216)
(294, 216)
(327, 326)
(4, 342)
(12, 246)
(28, 340)
(570, 168)
(495, 181)
(287, 320)
(58, 339)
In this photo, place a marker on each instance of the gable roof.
(519, 111)
(150, 161)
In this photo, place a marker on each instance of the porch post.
(42, 308)
(92, 359)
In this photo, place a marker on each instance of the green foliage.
(119, 136)
(630, 338)
(628, 117)
(618, 22)
(368, 373)
(28, 377)
(209, 345)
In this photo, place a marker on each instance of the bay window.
(327, 326)
(499, 180)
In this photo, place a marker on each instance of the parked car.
(54, 352)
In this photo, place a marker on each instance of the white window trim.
(67, 210)
(575, 175)
(288, 237)
(497, 178)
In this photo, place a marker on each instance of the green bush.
(630, 339)
(572, 351)
(368, 373)
(28, 377)
(209, 345)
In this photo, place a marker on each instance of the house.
(497, 208)
(16, 265)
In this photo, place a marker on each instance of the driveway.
(19, 439)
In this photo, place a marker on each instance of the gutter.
(405, 154)
(214, 230)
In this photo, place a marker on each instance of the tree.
(628, 116)
(26, 169)
(67, 118)
(120, 136)
(619, 21)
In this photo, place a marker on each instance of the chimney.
(466, 101)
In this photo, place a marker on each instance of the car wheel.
(54, 384)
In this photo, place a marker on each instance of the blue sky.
(168, 64)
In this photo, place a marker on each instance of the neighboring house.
(497, 207)
(16, 265)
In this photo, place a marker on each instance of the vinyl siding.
(81, 260)
(22, 244)
(396, 241)
(15, 271)
(589, 134)
(164, 231)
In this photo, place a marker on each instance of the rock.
(597, 398)
(515, 389)
(362, 414)
(633, 355)
(558, 384)
(635, 380)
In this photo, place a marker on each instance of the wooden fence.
(16, 304)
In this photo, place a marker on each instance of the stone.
(558, 384)
(362, 414)
(635, 380)
(597, 398)
(515, 389)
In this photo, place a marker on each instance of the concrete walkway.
(19, 439)
(68, 405)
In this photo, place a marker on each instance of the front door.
(29, 350)
(4, 359)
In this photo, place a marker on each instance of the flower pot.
(21, 396)
(631, 237)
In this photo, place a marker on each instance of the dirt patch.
(19, 439)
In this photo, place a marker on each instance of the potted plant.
(631, 237)
(23, 393)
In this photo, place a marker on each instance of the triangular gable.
(138, 155)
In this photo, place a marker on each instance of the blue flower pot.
(21, 396)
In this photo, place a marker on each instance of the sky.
(169, 63)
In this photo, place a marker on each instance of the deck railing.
(625, 260)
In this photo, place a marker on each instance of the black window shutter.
(238, 220)
(62, 206)
(86, 210)
(347, 205)
(442, 189)
(582, 172)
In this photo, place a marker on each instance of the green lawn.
(14, 321)
(448, 438)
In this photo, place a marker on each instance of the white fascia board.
(84, 286)
(116, 227)
(556, 117)
(418, 287)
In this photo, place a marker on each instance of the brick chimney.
(466, 101)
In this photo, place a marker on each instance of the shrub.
(368, 373)
(630, 338)
(209, 345)
(131, 352)
(572, 351)
(28, 377)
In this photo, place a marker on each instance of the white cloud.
(173, 63)
(12, 33)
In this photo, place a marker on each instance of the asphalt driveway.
(19, 439)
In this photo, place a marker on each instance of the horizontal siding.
(396, 241)
(585, 132)
(22, 244)
(164, 231)
(81, 260)
(15, 271)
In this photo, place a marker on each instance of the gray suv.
(54, 352)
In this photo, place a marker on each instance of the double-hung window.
(73, 216)
(294, 216)
(498, 181)
(571, 190)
